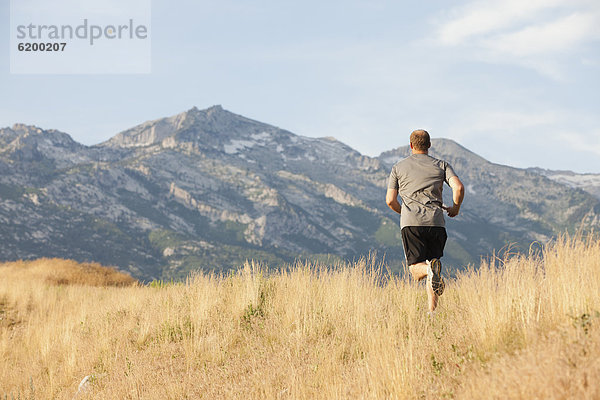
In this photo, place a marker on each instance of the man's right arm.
(458, 194)
(391, 199)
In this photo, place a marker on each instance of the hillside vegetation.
(520, 327)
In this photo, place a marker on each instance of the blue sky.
(514, 81)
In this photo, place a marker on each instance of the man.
(419, 180)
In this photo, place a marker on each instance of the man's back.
(419, 180)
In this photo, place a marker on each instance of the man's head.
(419, 141)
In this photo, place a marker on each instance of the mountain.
(208, 189)
(586, 182)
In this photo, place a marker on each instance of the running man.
(419, 180)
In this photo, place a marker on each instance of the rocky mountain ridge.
(587, 182)
(208, 189)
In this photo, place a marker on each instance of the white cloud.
(483, 17)
(556, 36)
(542, 35)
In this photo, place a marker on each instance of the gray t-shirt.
(419, 180)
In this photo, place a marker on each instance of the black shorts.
(423, 243)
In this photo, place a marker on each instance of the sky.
(517, 82)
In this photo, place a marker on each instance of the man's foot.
(435, 276)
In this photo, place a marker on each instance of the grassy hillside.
(523, 327)
(56, 271)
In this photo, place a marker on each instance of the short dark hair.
(420, 140)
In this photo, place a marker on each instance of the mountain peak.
(446, 149)
(19, 127)
(214, 109)
(21, 133)
(217, 108)
(194, 125)
(153, 131)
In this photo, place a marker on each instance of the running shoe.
(437, 282)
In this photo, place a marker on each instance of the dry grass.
(525, 327)
(57, 271)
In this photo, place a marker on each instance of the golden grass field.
(518, 328)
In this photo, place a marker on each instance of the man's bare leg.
(418, 272)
